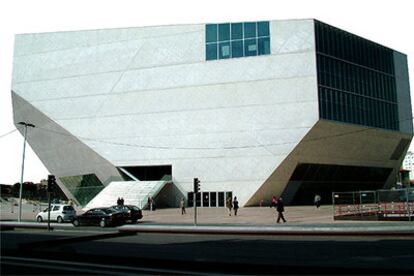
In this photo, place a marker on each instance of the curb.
(284, 230)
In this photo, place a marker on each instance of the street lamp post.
(21, 178)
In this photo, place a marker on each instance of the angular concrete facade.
(105, 99)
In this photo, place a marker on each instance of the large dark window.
(324, 179)
(236, 40)
(355, 78)
(150, 173)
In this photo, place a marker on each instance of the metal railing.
(379, 205)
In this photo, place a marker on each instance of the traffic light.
(196, 185)
(51, 183)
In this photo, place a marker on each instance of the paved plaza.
(246, 216)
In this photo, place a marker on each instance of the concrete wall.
(147, 96)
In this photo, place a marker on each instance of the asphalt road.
(92, 250)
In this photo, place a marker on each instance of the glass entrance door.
(220, 199)
(213, 199)
(206, 199)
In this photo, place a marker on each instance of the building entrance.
(209, 199)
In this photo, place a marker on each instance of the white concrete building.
(252, 109)
(408, 163)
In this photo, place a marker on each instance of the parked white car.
(58, 212)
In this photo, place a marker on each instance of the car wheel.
(102, 223)
(59, 219)
(39, 219)
(75, 223)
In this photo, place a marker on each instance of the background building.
(252, 109)
(408, 163)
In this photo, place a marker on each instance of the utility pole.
(21, 178)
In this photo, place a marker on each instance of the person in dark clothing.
(235, 206)
(317, 201)
(182, 205)
(122, 201)
(149, 204)
(280, 208)
(118, 201)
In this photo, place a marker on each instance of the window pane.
(224, 50)
(237, 48)
(211, 32)
(236, 31)
(224, 32)
(264, 46)
(263, 28)
(249, 29)
(250, 47)
(211, 51)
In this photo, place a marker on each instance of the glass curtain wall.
(356, 81)
(83, 187)
(234, 40)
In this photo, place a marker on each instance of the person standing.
(12, 205)
(273, 202)
(280, 208)
(235, 206)
(229, 205)
(317, 201)
(182, 205)
(149, 203)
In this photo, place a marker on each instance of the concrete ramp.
(133, 193)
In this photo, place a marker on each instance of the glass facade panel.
(250, 47)
(211, 51)
(236, 40)
(83, 187)
(264, 46)
(224, 32)
(249, 29)
(211, 33)
(236, 31)
(224, 50)
(237, 48)
(355, 78)
(263, 28)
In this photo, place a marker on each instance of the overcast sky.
(389, 23)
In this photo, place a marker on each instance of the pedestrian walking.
(122, 201)
(317, 201)
(229, 205)
(153, 204)
(235, 206)
(280, 208)
(118, 201)
(182, 205)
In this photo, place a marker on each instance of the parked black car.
(100, 216)
(131, 212)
